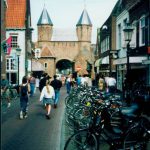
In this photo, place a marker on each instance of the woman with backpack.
(24, 90)
(47, 96)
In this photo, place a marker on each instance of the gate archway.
(64, 66)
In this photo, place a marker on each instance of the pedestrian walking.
(47, 96)
(79, 80)
(68, 83)
(37, 82)
(83, 80)
(32, 85)
(42, 82)
(24, 90)
(111, 84)
(56, 84)
(101, 83)
(88, 80)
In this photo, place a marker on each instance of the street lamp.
(18, 52)
(128, 31)
(37, 53)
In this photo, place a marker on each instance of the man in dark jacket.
(42, 82)
(56, 84)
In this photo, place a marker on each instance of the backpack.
(24, 90)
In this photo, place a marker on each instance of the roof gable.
(15, 14)
(46, 52)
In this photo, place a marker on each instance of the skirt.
(48, 101)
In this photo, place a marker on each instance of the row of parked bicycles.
(100, 121)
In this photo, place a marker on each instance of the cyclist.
(4, 89)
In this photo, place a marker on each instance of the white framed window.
(142, 31)
(133, 42)
(14, 42)
(10, 64)
(105, 45)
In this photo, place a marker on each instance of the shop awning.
(131, 60)
(104, 60)
(146, 62)
(97, 63)
(37, 66)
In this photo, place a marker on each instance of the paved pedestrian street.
(34, 132)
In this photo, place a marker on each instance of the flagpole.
(18, 70)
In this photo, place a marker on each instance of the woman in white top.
(48, 96)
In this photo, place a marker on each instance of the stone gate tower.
(57, 46)
(45, 27)
(84, 28)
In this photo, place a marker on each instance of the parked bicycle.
(7, 95)
(111, 126)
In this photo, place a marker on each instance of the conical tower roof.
(44, 18)
(84, 19)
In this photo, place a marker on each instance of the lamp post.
(128, 31)
(18, 52)
(37, 54)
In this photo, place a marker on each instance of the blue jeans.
(24, 103)
(68, 86)
(57, 95)
(32, 87)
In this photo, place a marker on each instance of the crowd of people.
(49, 88)
(49, 92)
(104, 83)
(107, 84)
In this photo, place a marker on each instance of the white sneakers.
(21, 115)
(8, 105)
(25, 116)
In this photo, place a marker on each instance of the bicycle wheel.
(82, 140)
(135, 139)
(82, 117)
(3, 100)
(14, 94)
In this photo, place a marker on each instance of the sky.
(66, 13)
